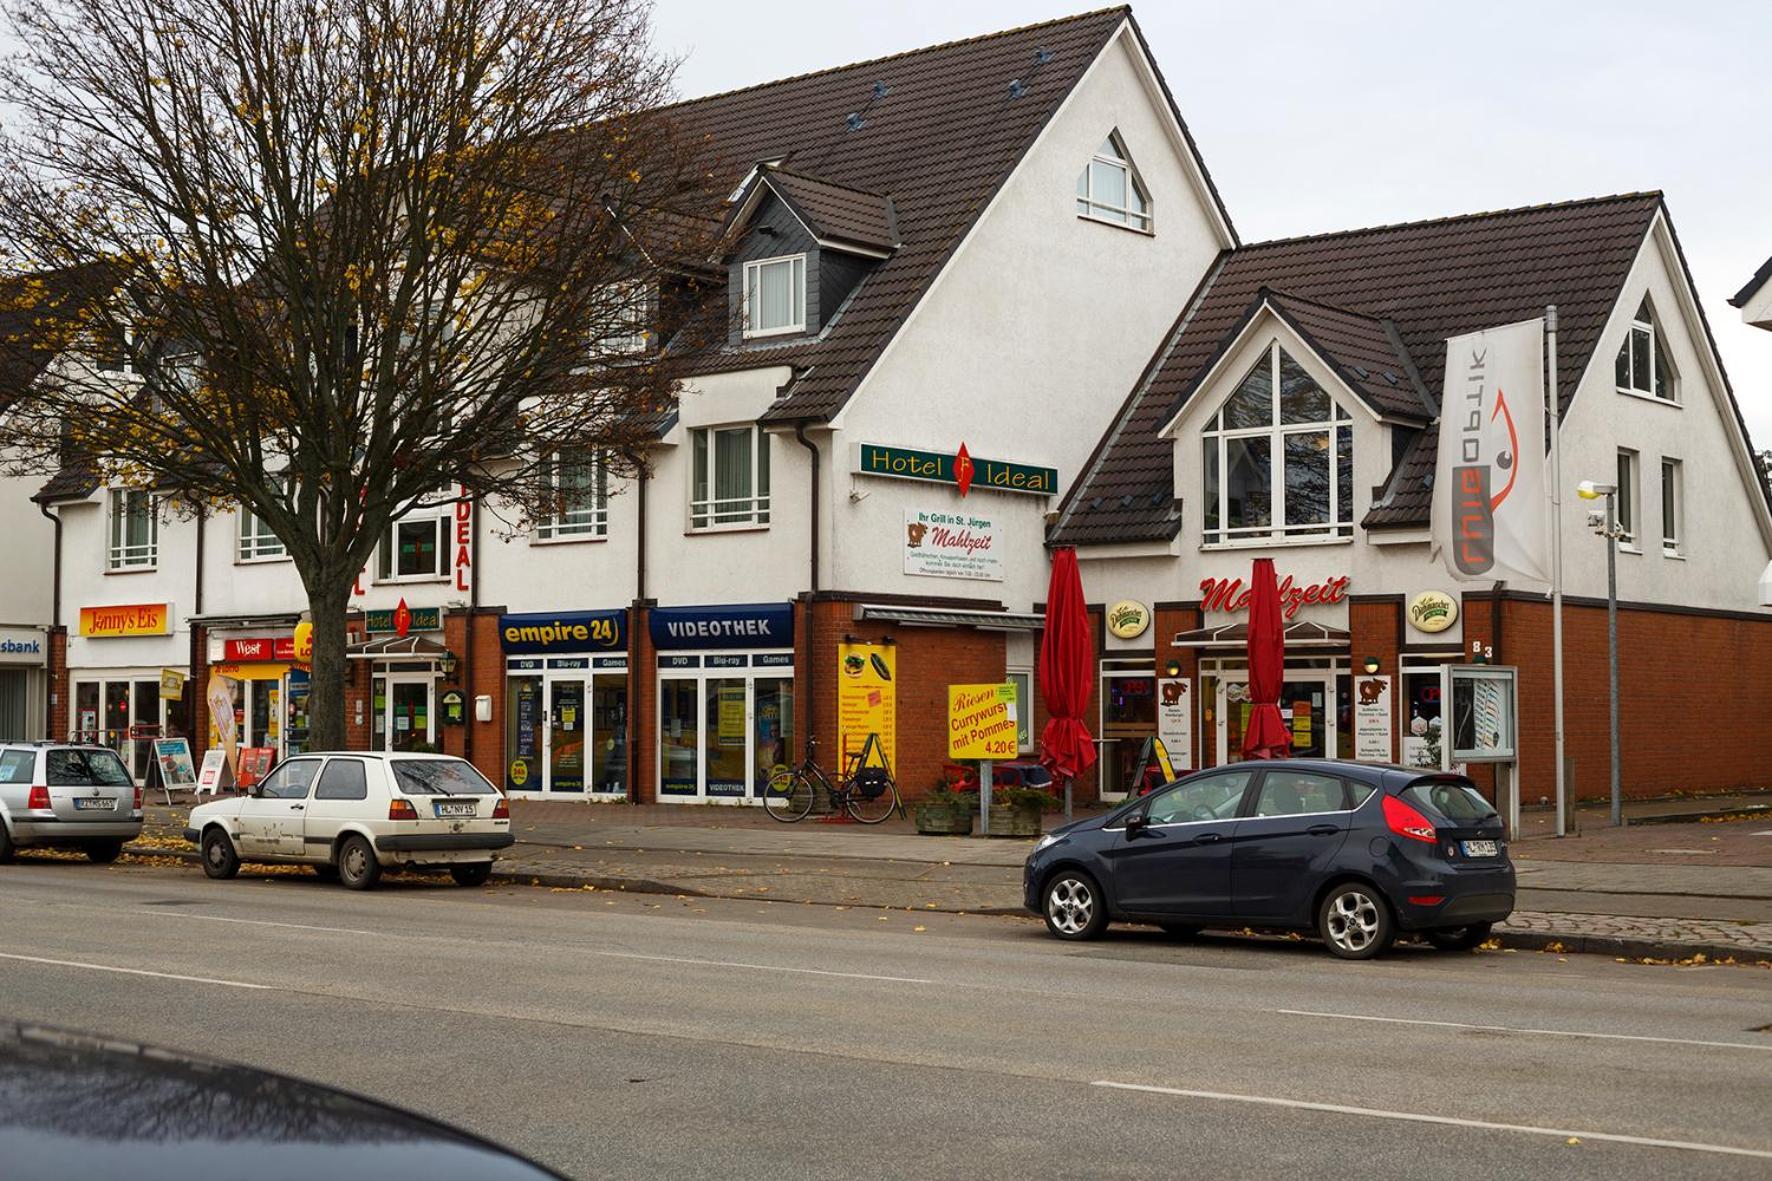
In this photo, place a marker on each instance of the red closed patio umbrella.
(1266, 737)
(1067, 670)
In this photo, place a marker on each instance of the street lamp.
(1607, 526)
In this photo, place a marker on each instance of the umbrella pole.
(1067, 796)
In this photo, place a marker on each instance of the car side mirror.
(1136, 824)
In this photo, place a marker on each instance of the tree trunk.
(331, 674)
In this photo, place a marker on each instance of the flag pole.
(1556, 500)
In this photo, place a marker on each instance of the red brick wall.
(1373, 626)
(61, 689)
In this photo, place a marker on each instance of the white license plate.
(457, 809)
(1480, 849)
(94, 804)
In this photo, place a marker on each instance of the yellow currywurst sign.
(136, 619)
(981, 721)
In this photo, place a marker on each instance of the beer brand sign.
(1233, 594)
(1432, 611)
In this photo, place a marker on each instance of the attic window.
(1642, 367)
(1108, 188)
(775, 296)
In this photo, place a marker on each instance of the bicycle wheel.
(871, 795)
(789, 795)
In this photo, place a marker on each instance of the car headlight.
(1049, 839)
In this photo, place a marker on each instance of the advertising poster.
(220, 695)
(1372, 719)
(952, 545)
(867, 698)
(255, 764)
(1175, 721)
(731, 717)
(981, 721)
(215, 774)
(176, 768)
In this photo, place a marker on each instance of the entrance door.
(568, 734)
(1307, 703)
(407, 713)
(1128, 720)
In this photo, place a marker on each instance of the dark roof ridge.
(800, 174)
(1265, 292)
(1761, 276)
(1455, 218)
(1123, 9)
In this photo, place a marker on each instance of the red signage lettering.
(1232, 595)
(464, 538)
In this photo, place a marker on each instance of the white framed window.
(729, 480)
(134, 530)
(1277, 459)
(775, 296)
(1023, 680)
(416, 548)
(1673, 507)
(577, 482)
(630, 312)
(256, 542)
(116, 353)
(1626, 498)
(1642, 366)
(1108, 188)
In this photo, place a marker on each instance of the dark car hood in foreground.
(72, 1105)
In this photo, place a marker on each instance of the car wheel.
(475, 874)
(1180, 930)
(220, 861)
(1074, 907)
(104, 852)
(357, 867)
(5, 844)
(1355, 921)
(1459, 938)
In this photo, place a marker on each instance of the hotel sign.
(935, 467)
(136, 619)
(422, 619)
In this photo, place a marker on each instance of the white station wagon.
(351, 815)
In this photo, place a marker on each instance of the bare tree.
(334, 259)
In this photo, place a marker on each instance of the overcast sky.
(1315, 116)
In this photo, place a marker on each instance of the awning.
(396, 648)
(1001, 621)
(1299, 633)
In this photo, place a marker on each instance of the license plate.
(1480, 849)
(457, 809)
(94, 804)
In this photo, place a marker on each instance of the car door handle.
(1322, 830)
(296, 807)
(1206, 838)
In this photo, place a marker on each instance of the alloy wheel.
(1071, 905)
(1354, 920)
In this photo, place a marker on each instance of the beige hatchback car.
(353, 814)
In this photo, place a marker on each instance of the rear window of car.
(1457, 800)
(440, 777)
(86, 768)
(17, 766)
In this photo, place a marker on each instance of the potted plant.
(946, 812)
(1015, 811)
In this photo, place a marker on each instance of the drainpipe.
(55, 594)
(812, 584)
(55, 619)
(645, 479)
(800, 434)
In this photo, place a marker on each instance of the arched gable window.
(1278, 459)
(1642, 366)
(1108, 188)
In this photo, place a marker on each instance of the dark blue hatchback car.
(1353, 851)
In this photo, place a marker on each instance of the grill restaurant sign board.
(138, 619)
(981, 721)
(1490, 518)
(952, 545)
(993, 475)
(867, 698)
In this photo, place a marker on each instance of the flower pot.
(944, 819)
(1015, 820)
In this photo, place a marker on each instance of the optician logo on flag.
(1490, 517)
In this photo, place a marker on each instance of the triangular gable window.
(1108, 188)
(1642, 366)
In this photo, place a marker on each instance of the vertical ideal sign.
(1372, 719)
(1490, 517)
(463, 534)
(867, 698)
(981, 721)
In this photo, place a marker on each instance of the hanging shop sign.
(136, 619)
(1432, 611)
(752, 625)
(563, 631)
(867, 698)
(961, 469)
(981, 721)
(1128, 619)
(22, 645)
(277, 648)
(419, 619)
(1372, 719)
(1175, 721)
(462, 565)
(172, 684)
(952, 545)
(1233, 594)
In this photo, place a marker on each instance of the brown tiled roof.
(75, 481)
(834, 212)
(1740, 298)
(29, 304)
(1407, 496)
(939, 135)
(1366, 353)
(1430, 280)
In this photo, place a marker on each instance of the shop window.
(775, 296)
(1023, 680)
(1642, 366)
(1627, 498)
(416, 546)
(257, 542)
(1109, 189)
(577, 485)
(1278, 459)
(1673, 504)
(730, 477)
(134, 530)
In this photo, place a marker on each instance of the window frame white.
(634, 314)
(1627, 500)
(557, 528)
(254, 543)
(1089, 208)
(752, 279)
(703, 515)
(117, 556)
(1673, 507)
(387, 550)
(1644, 321)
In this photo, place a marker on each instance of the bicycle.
(868, 793)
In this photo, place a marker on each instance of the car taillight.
(138, 799)
(39, 797)
(1406, 821)
(501, 810)
(401, 810)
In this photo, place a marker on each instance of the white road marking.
(671, 959)
(216, 918)
(1616, 1037)
(37, 959)
(1417, 1117)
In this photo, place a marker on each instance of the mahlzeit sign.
(134, 619)
(1233, 594)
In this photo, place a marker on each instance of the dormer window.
(775, 296)
(1642, 366)
(1108, 188)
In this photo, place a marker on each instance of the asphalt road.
(631, 1036)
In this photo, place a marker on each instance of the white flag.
(1489, 515)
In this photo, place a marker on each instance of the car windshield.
(440, 777)
(1457, 800)
(87, 768)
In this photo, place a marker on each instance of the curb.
(1618, 945)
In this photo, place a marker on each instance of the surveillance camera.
(1596, 520)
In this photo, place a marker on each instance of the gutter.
(640, 603)
(812, 584)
